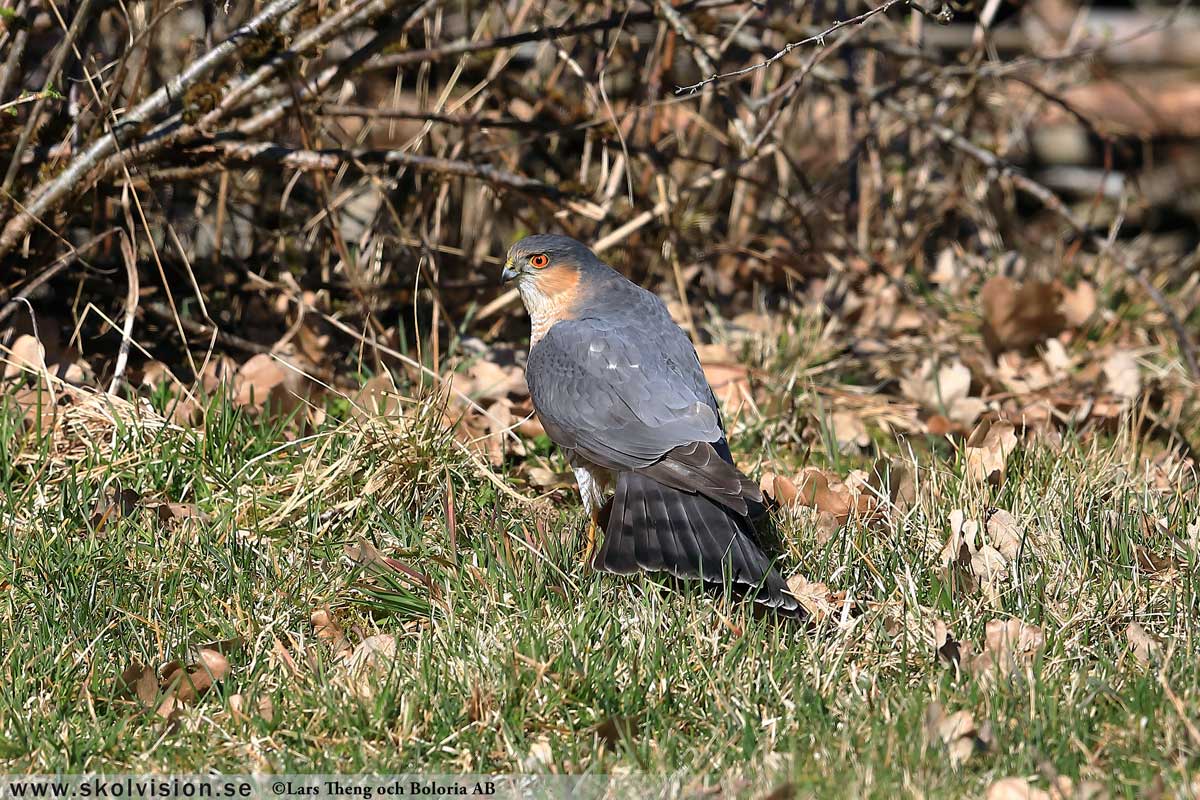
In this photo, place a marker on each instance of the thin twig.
(277, 155)
(50, 195)
(131, 304)
(81, 18)
(788, 48)
(464, 47)
(59, 264)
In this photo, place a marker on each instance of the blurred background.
(925, 215)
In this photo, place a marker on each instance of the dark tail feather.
(655, 527)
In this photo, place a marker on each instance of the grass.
(519, 659)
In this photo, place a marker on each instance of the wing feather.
(624, 404)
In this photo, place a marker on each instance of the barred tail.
(655, 527)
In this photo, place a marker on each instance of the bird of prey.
(618, 386)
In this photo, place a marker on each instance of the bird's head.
(548, 262)
(549, 271)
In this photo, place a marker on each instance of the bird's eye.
(539, 261)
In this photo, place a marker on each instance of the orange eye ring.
(539, 261)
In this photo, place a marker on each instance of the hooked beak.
(509, 273)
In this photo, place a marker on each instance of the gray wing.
(631, 395)
(624, 404)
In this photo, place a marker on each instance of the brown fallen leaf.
(1122, 375)
(958, 732)
(813, 596)
(1015, 789)
(849, 431)
(210, 668)
(900, 479)
(730, 380)
(1078, 304)
(540, 756)
(962, 542)
(1151, 563)
(372, 660)
(778, 489)
(26, 354)
(1017, 316)
(257, 379)
(945, 645)
(498, 422)
(115, 504)
(219, 373)
(139, 681)
(240, 708)
(174, 513)
(327, 629)
(1142, 646)
(267, 379)
(1004, 533)
(489, 379)
(988, 449)
(1008, 644)
(378, 397)
(180, 684)
(945, 391)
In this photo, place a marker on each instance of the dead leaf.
(778, 489)
(257, 379)
(1142, 646)
(372, 660)
(378, 397)
(26, 353)
(140, 681)
(988, 449)
(730, 381)
(1017, 316)
(824, 492)
(958, 732)
(174, 513)
(963, 541)
(814, 597)
(1008, 644)
(616, 729)
(240, 710)
(1123, 376)
(988, 564)
(547, 479)
(540, 756)
(498, 422)
(486, 379)
(1078, 304)
(945, 391)
(266, 709)
(1004, 533)
(1153, 564)
(327, 629)
(210, 668)
(945, 645)
(900, 480)
(1015, 789)
(115, 504)
(849, 431)
(219, 372)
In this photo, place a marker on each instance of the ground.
(370, 595)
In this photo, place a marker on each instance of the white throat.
(544, 310)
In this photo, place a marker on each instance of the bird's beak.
(509, 273)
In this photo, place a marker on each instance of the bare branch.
(788, 48)
(51, 195)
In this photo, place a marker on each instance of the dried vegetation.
(274, 498)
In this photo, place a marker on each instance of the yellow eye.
(539, 261)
